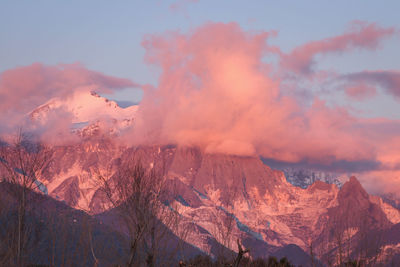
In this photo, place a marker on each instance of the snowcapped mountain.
(88, 111)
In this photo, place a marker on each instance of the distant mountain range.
(292, 213)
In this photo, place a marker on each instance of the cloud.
(339, 166)
(363, 35)
(25, 88)
(387, 178)
(388, 80)
(179, 4)
(360, 91)
(217, 92)
(212, 84)
(55, 129)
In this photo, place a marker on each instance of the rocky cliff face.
(211, 190)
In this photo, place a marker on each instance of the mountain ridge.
(264, 205)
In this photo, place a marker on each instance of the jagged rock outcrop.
(264, 207)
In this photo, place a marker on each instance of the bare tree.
(223, 226)
(370, 242)
(139, 197)
(310, 245)
(22, 162)
(181, 225)
(241, 253)
(6, 236)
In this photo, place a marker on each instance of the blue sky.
(106, 36)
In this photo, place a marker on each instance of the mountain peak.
(85, 107)
(94, 93)
(353, 184)
(354, 180)
(87, 110)
(353, 191)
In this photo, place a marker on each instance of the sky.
(312, 83)
(107, 37)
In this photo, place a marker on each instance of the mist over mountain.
(270, 209)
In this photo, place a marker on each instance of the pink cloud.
(387, 178)
(25, 88)
(216, 92)
(179, 4)
(360, 35)
(388, 80)
(360, 91)
(211, 85)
